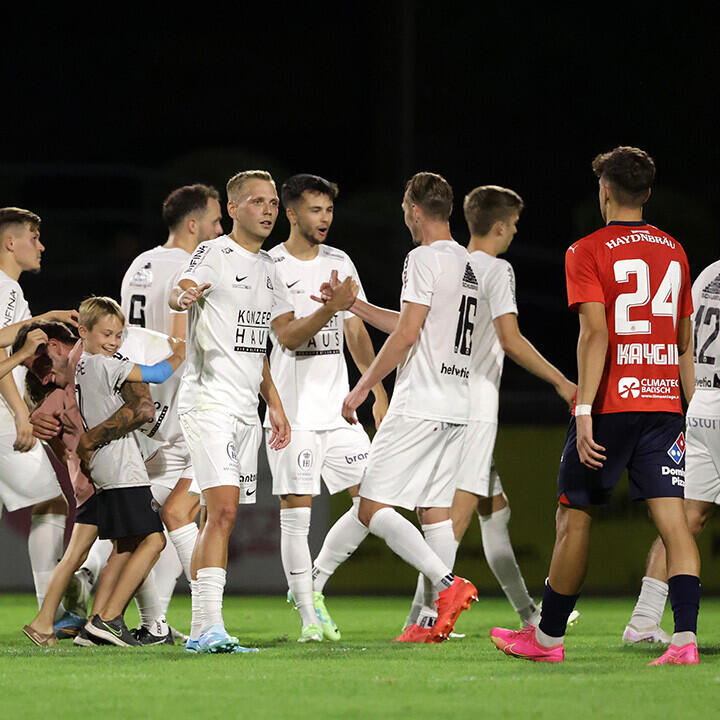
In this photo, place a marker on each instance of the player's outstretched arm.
(9, 333)
(279, 424)
(686, 360)
(392, 353)
(292, 332)
(137, 410)
(591, 351)
(361, 348)
(24, 440)
(185, 293)
(518, 348)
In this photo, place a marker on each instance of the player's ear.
(290, 215)
(232, 208)
(192, 225)
(82, 331)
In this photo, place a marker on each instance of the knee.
(156, 541)
(222, 518)
(172, 516)
(365, 514)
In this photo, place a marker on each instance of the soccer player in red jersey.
(630, 284)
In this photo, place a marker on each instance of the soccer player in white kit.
(312, 381)
(192, 215)
(700, 377)
(26, 475)
(415, 453)
(232, 290)
(492, 213)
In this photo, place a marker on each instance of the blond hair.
(93, 309)
(235, 183)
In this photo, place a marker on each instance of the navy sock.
(684, 591)
(556, 609)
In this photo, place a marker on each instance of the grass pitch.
(362, 676)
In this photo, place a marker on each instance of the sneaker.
(78, 592)
(329, 628)
(191, 646)
(414, 634)
(522, 644)
(68, 626)
(652, 634)
(311, 633)
(178, 636)
(83, 639)
(450, 603)
(679, 655)
(145, 637)
(216, 640)
(115, 631)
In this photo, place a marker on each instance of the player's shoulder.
(278, 252)
(489, 263)
(332, 253)
(265, 257)
(7, 282)
(707, 283)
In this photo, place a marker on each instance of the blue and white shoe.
(216, 640)
(68, 626)
(191, 646)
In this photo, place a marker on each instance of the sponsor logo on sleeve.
(143, 277)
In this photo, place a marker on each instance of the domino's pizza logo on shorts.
(677, 450)
(628, 387)
(305, 460)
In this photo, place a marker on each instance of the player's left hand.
(353, 400)
(24, 440)
(566, 390)
(84, 452)
(69, 317)
(280, 435)
(379, 410)
(590, 453)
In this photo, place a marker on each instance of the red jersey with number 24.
(641, 275)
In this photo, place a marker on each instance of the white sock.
(440, 537)
(547, 640)
(406, 541)
(211, 585)
(96, 559)
(148, 601)
(45, 547)
(296, 560)
(650, 606)
(184, 539)
(340, 543)
(683, 638)
(501, 559)
(426, 617)
(196, 623)
(418, 602)
(167, 570)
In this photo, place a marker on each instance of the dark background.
(104, 114)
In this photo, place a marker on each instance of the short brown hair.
(236, 182)
(488, 204)
(186, 200)
(94, 308)
(432, 192)
(18, 216)
(630, 172)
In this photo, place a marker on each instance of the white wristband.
(583, 410)
(180, 297)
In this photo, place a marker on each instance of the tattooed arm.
(137, 410)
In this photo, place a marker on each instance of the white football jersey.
(13, 309)
(147, 285)
(432, 383)
(228, 328)
(706, 328)
(98, 380)
(146, 347)
(312, 380)
(496, 297)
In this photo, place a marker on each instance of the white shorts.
(223, 450)
(702, 459)
(25, 478)
(338, 456)
(170, 463)
(413, 463)
(476, 473)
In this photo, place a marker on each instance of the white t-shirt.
(13, 309)
(146, 347)
(312, 381)
(228, 328)
(432, 383)
(706, 336)
(496, 297)
(98, 380)
(147, 285)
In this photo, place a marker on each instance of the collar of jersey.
(632, 223)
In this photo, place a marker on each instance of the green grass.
(362, 676)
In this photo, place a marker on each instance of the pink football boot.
(679, 655)
(522, 644)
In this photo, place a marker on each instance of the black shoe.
(113, 631)
(145, 637)
(83, 639)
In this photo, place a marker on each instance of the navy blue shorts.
(651, 445)
(87, 513)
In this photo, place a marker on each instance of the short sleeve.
(581, 275)
(205, 266)
(9, 302)
(351, 271)
(281, 298)
(418, 278)
(500, 289)
(113, 372)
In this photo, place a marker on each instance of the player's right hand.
(69, 317)
(34, 339)
(344, 294)
(24, 441)
(84, 452)
(590, 453)
(45, 426)
(327, 289)
(566, 390)
(191, 295)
